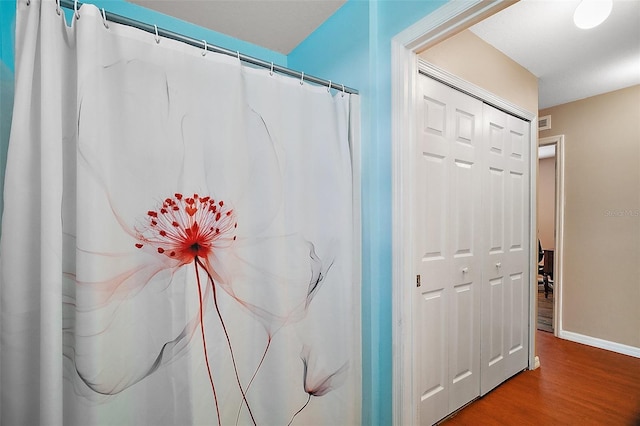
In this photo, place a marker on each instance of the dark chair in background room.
(545, 269)
(547, 272)
(540, 266)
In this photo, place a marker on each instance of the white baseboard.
(600, 343)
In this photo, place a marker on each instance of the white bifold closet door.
(448, 249)
(471, 241)
(505, 288)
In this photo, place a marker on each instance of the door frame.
(558, 141)
(444, 22)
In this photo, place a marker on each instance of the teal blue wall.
(354, 47)
(7, 29)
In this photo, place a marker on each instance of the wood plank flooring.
(545, 311)
(575, 385)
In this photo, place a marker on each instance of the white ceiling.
(570, 63)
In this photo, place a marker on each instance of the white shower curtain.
(177, 241)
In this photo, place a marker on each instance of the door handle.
(498, 265)
(465, 270)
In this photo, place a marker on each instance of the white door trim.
(452, 17)
(558, 141)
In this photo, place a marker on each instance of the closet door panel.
(448, 228)
(516, 332)
(434, 210)
(494, 189)
(432, 348)
(432, 224)
(505, 303)
(465, 233)
(517, 191)
(494, 208)
(494, 341)
(519, 252)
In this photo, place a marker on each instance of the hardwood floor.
(545, 311)
(575, 385)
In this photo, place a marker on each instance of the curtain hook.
(204, 52)
(58, 7)
(343, 90)
(329, 87)
(302, 78)
(104, 19)
(157, 36)
(75, 9)
(271, 72)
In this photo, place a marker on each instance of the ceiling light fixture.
(591, 13)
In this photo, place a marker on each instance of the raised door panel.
(434, 213)
(494, 209)
(515, 334)
(432, 338)
(516, 193)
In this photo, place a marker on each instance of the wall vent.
(544, 123)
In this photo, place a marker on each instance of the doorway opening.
(550, 213)
(546, 226)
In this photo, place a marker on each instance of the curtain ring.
(343, 90)
(329, 87)
(75, 9)
(104, 19)
(238, 54)
(28, 2)
(58, 7)
(271, 72)
(157, 37)
(302, 78)
(204, 52)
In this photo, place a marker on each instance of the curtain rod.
(119, 19)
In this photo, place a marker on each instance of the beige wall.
(601, 279)
(472, 59)
(546, 202)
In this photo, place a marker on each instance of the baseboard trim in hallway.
(600, 343)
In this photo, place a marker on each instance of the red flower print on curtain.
(181, 219)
